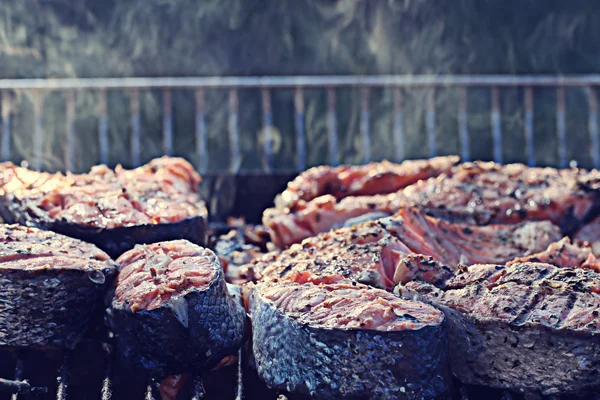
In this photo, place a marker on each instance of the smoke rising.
(108, 38)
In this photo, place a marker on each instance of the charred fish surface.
(51, 286)
(171, 310)
(324, 197)
(113, 209)
(391, 250)
(343, 341)
(530, 327)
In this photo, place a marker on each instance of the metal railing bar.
(167, 122)
(332, 128)
(268, 130)
(365, 129)
(70, 130)
(529, 133)
(399, 151)
(561, 127)
(201, 137)
(103, 142)
(430, 122)
(593, 127)
(463, 127)
(302, 81)
(38, 134)
(136, 156)
(300, 134)
(496, 125)
(5, 122)
(234, 132)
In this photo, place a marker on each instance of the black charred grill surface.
(172, 311)
(348, 341)
(529, 327)
(113, 209)
(50, 287)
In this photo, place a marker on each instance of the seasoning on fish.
(51, 287)
(172, 311)
(476, 193)
(341, 340)
(529, 327)
(564, 254)
(484, 193)
(391, 250)
(113, 209)
(324, 197)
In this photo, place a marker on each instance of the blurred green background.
(110, 38)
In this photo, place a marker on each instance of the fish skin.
(52, 304)
(348, 363)
(158, 342)
(529, 327)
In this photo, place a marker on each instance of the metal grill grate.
(21, 389)
(329, 84)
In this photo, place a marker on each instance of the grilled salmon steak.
(316, 201)
(391, 250)
(51, 287)
(344, 341)
(476, 193)
(504, 321)
(113, 209)
(172, 311)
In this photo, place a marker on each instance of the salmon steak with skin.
(505, 321)
(172, 311)
(114, 209)
(324, 197)
(51, 287)
(347, 341)
(482, 193)
(475, 193)
(391, 250)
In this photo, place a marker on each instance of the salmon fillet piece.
(324, 197)
(504, 320)
(476, 193)
(395, 249)
(162, 191)
(483, 193)
(362, 180)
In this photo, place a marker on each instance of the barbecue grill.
(91, 370)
